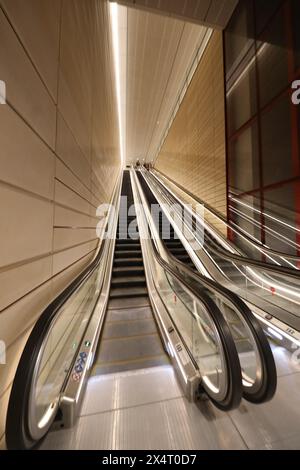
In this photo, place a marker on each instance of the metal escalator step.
(126, 292)
(128, 246)
(127, 241)
(130, 315)
(129, 328)
(128, 271)
(129, 303)
(173, 244)
(128, 253)
(142, 363)
(122, 353)
(184, 258)
(178, 251)
(128, 281)
(138, 261)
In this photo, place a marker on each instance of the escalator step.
(128, 253)
(178, 251)
(128, 246)
(138, 261)
(129, 303)
(127, 241)
(127, 292)
(127, 329)
(128, 271)
(130, 353)
(128, 281)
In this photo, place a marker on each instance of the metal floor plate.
(123, 349)
(145, 409)
(129, 303)
(129, 328)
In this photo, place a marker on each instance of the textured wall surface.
(194, 151)
(59, 155)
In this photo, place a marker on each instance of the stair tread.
(122, 269)
(127, 279)
(128, 252)
(119, 292)
(124, 260)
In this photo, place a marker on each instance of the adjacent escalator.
(257, 362)
(165, 229)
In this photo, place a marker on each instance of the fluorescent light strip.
(114, 18)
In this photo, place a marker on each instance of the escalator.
(130, 338)
(128, 310)
(259, 380)
(272, 289)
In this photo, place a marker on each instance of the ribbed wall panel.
(193, 154)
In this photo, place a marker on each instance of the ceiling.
(213, 13)
(156, 53)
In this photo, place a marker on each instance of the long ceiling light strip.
(114, 18)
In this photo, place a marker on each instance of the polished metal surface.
(145, 409)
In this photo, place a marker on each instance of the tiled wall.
(58, 155)
(194, 151)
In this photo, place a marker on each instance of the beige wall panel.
(19, 281)
(25, 160)
(24, 88)
(76, 69)
(63, 279)
(70, 152)
(17, 318)
(67, 257)
(37, 24)
(65, 238)
(68, 197)
(194, 151)
(25, 226)
(68, 218)
(69, 179)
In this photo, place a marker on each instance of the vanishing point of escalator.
(130, 338)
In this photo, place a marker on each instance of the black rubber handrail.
(269, 382)
(234, 258)
(234, 394)
(17, 432)
(265, 249)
